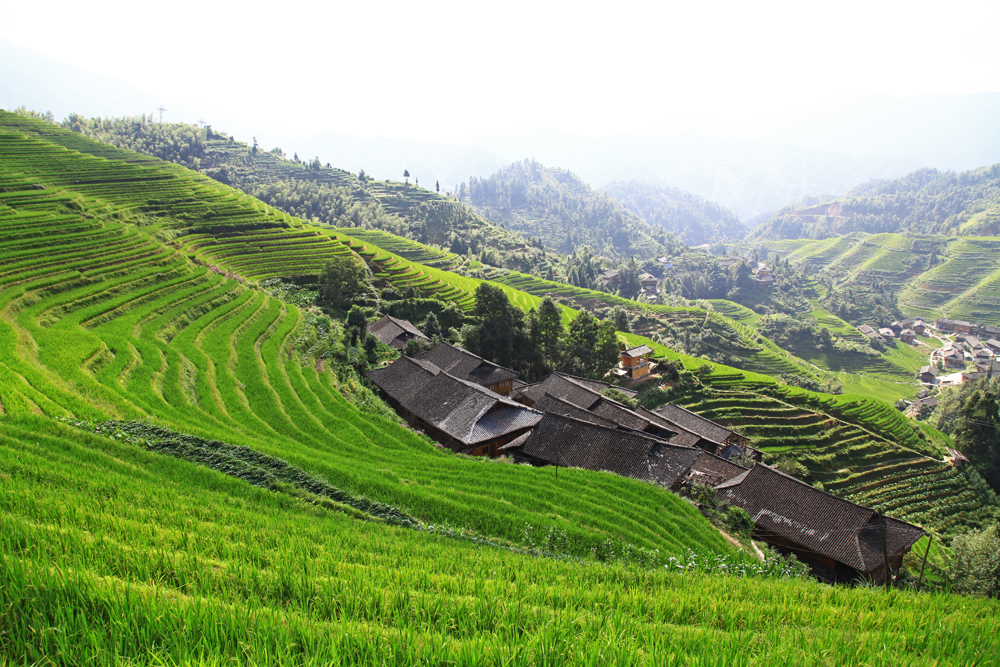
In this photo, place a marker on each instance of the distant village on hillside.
(472, 406)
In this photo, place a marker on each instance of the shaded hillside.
(693, 219)
(564, 212)
(926, 201)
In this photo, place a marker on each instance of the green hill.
(924, 202)
(564, 212)
(105, 321)
(312, 191)
(694, 220)
(931, 276)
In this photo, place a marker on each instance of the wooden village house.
(467, 366)
(394, 332)
(461, 415)
(956, 326)
(704, 433)
(569, 442)
(585, 395)
(635, 361)
(839, 540)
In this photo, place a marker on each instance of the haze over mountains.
(838, 148)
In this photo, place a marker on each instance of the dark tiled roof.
(867, 330)
(465, 365)
(549, 403)
(389, 329)
(928, 369)
(573, 390)
(816, 520)
(685, 439)
(712, 469)
(619, 414)
(597, 385)
(637, 351)
(570, 442)
(656, 419)
(465, 411)
(693, 423)
(563, 388)
(403, 378)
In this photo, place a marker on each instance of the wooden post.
(926, 553)
(885, 551)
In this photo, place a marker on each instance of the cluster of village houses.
(472, 406)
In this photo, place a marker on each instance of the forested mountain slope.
(694, 220)
(564, 212)
(925, 202)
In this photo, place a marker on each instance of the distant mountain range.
(845, 144)
(564, 212)
(40, 83)
(695, 220)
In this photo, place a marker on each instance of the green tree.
(591, 346)
(341, 281)
(406, 176)
(431, 327)
(501, 331)
(975, 562)
(619, 316)
(356, 324)
(977, 434)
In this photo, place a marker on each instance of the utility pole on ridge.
(161, 110)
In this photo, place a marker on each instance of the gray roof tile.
(816, 520)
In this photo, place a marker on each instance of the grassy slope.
(145, 332)
(111, 555)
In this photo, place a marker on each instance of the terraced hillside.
(906, 479)
(934, 277)
(405, 248)
(111, 554)
(321, 194)
(101, 320)
(312, 531)
(926, 201)
(234, 251)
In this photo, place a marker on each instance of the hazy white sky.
(447, 70)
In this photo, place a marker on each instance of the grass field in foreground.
(111, 555)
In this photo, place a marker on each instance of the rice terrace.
(679, 407)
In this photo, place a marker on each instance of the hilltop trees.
(502, 335)
(538, 343)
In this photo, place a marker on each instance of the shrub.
(739, 521)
